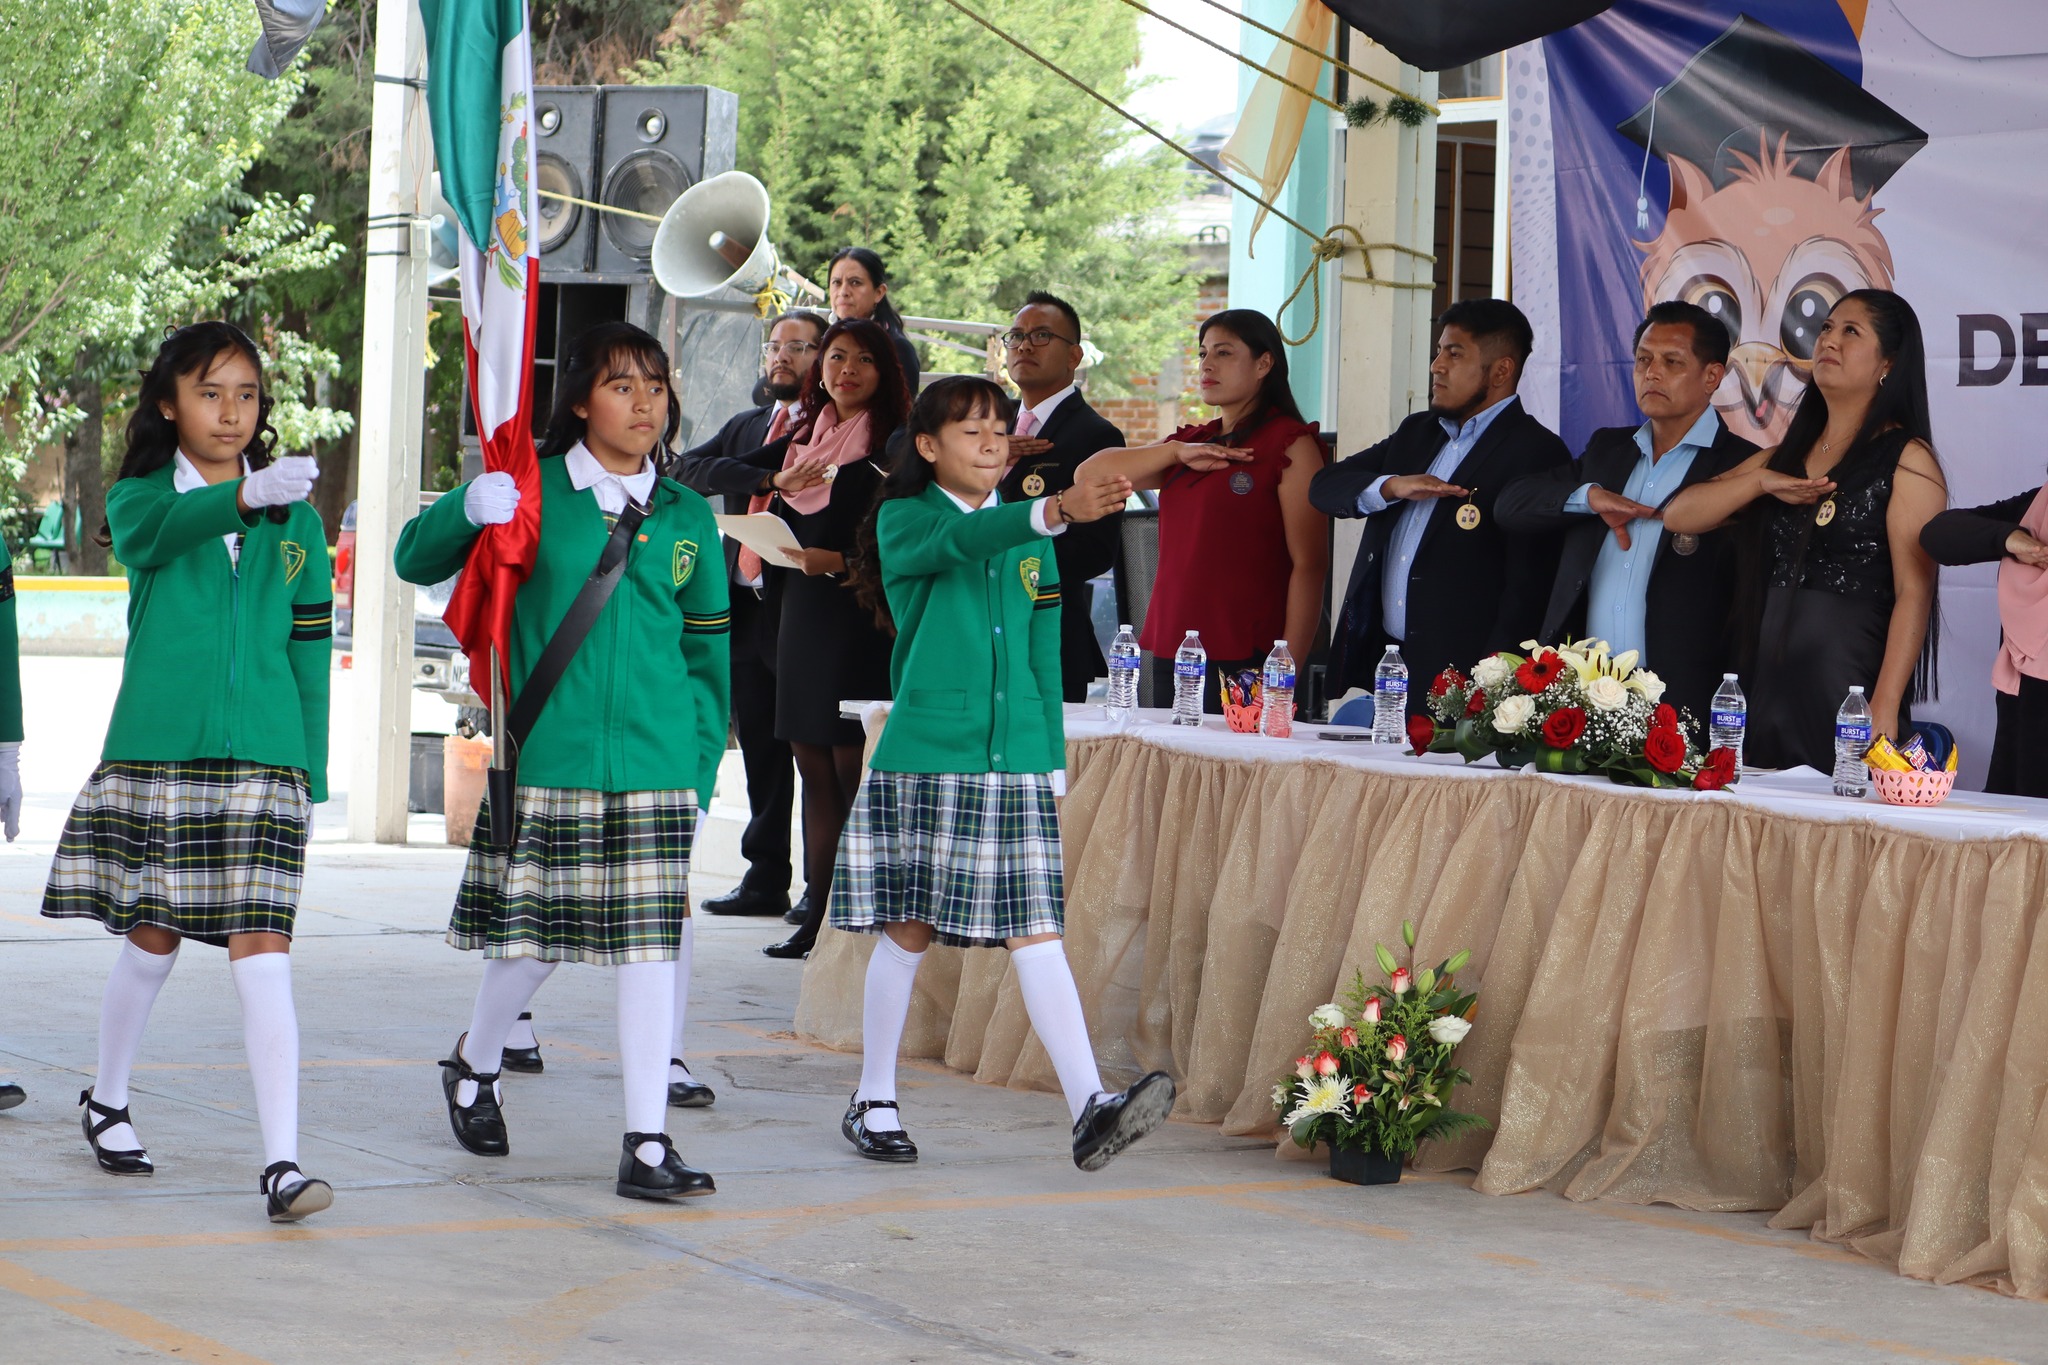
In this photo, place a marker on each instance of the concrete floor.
(1192, 1247)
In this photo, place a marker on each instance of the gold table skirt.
(1681, 1000)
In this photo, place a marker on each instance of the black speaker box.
(565, 124)
(655, 142)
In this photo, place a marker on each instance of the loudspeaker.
(716, 236)
(565, 125)
(655, 142)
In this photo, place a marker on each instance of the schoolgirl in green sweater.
(194, 824)
(955, 833)
(622, 756)
(11, 1093)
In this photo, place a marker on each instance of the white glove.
(491, 499)
(10, 788)
(280, 483)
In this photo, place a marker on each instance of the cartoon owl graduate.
(1775, 160)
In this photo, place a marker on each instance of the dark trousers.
(2019, 754)
(771, 777)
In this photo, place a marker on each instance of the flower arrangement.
(1376, 1073)
(1572, 708)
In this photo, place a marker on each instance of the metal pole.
(390, 427)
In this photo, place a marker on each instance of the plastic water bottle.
(1123, 676)
(1390, 699)
(1276, 693)
(1852, 739)
(1190, 667)
(1728, 718)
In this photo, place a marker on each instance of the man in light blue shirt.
(1622, 577)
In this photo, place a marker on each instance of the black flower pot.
(1362, 1166)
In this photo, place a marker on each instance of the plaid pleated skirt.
(592, 876)
(206, 848)
(974, 855)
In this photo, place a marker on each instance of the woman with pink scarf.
(2014, 534)
(829, 648)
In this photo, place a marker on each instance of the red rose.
(1665, 750)
(1421, 733)
(1348, 1036)
(1564, 727)
(1722, 761)
(1325, 1064)
(1708, 779)
(1447, 680)
(1539, 672)
(1361, 1094)
(1664, 718)
(1477, 703)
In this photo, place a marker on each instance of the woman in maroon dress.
(1242, 554)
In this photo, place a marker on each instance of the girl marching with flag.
(194, 823)
(955, 834)
(623, 751)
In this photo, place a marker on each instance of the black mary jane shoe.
(670, 1180)
(479, 1127)
(136, 1162)
(690, 1094)
(289, 1195)
(1111, 1123)
(525, 1060)
(795, 948)
(887, 1146)
(11, 1095)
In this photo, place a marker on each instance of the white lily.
(1625, 663)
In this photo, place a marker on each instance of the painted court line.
(140, 1328)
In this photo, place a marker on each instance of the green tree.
(976, 173)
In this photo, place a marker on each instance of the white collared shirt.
(185, 478)
(611, 489)
(1043, 410)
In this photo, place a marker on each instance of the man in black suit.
(1055, 430)
(1437, 574)
(1622, 578)
(719, 467)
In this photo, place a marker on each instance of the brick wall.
(1164, 401)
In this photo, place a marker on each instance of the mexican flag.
(479, 100)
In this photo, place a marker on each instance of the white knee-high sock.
(677, 1070)
(885, 1008)
(124, 1012)
(270, 1032)
(507, 988)
(1054, 1005)
(647, 1006)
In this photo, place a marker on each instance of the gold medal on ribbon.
(1468, 516)
(1034, 484)
(1826, 513)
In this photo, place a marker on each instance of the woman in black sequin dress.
(1838, 591)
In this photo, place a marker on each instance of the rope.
(601, 208)
(1240, 57)
(1345, 67)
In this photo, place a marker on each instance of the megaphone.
(715, 236)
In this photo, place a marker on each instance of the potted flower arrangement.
(1373, 1081)
(1572, 708)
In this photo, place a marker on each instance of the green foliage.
(976, 173)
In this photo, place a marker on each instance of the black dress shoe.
(801, 911)
(740, 901)
(135, 1162)
(1111, 1123)
(670, 1180)
(690, 1094)
(11, 1095)
(524, 1059)
(480, 1127)
(889, 1146)
(289, 1195)
(795, 948)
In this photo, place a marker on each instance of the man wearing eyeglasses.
(734, 464)
(1054, 432)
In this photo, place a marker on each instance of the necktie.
(1027, 422)
(749, 564)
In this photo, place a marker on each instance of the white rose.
(1606, 694)
(1512, 715)
(1327, 1016)
(1449, 1030)
(1649, 684)
(1492, 673)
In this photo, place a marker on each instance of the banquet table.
(1768, 997)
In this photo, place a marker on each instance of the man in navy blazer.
(1437, 572)
(1622, 578)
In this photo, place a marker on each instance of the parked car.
(438, 663)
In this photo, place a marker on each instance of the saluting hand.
(1203, 456)
(1024, 447)
(2022, 546)
(1091, 501)
(1797, 491)
(491, 499)
(803, 474)
(1618, 511)
(1420, 488)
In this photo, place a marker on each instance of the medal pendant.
(1034, 484)
(1826, 513)
(1468, 516)
(1683, 543)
